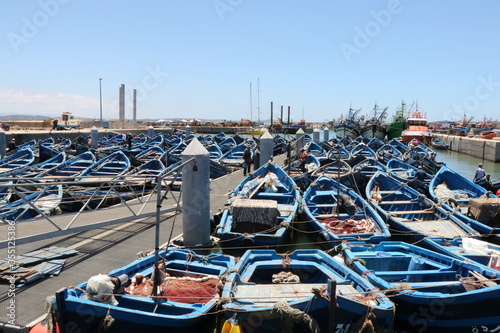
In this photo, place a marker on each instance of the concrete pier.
(196, 195)
(316, 135)
(326, 134)
(266, 147)
(486, 149)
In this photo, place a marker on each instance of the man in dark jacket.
(247, 161)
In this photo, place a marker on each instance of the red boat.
(488, 134)
(417, 128)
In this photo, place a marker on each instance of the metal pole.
(333, 305)
(156, 270)
(100, 98)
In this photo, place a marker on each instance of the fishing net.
(188, 289)
(292, 317)
(349, 226)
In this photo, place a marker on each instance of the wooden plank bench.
(403, 212)
(396, 202)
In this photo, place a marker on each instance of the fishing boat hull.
(412, 214)
(343, 131)
(438, 144)
(395, 129)
(338, 213)
(421, 135)
(373, 131)
(261, 211)
(255, 292)
(73, 306)
(433, 292)
(453, 191)
(42, 201)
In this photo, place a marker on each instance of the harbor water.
(466, 165)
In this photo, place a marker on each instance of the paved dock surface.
(99, 250)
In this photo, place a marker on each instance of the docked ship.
(373, 128)
(417, 128)
(399, 123)
(348, 127)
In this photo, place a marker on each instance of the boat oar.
(257, 188)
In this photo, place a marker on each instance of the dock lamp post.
(100, 98)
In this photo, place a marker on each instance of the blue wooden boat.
(338, 213)
(106, 168)
(178, 149)
(312, 163)
(316, 150)
(405, 172)
(153, 152)
(265, 287)
(438, 144)
(432, 292)
(479, 250)
(62, 143)
(134, 310)
(262, 209)
(234, 156)
(144, 174)
(28, 144)
(369, 167)
(453, 192)
(36, 169)
(361, 152)
(388, 152)
(334, 169)
(375, 144)
(173, 140)
(227, 144)
(411, 213)
(18, 161)
(339, 151)
(47, 152)
(41, 201)
(402, 147)
(218, 170)
(214, 151)
(68, 169)
(220, 137)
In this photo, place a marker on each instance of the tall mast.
(251, 117)
(258, 100)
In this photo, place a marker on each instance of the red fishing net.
(349, 226)
(188, 289)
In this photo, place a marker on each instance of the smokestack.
(271, 114)
(281, 117)
(288, 115)
(121, 111)
(134, 103)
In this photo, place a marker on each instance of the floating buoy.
(232, 326)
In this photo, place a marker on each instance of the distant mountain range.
(23, 117)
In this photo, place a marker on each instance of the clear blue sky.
(196, 59)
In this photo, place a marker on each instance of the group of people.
(249, 159)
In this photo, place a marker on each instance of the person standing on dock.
(247, 161)
(128, 140)
(256, 158)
